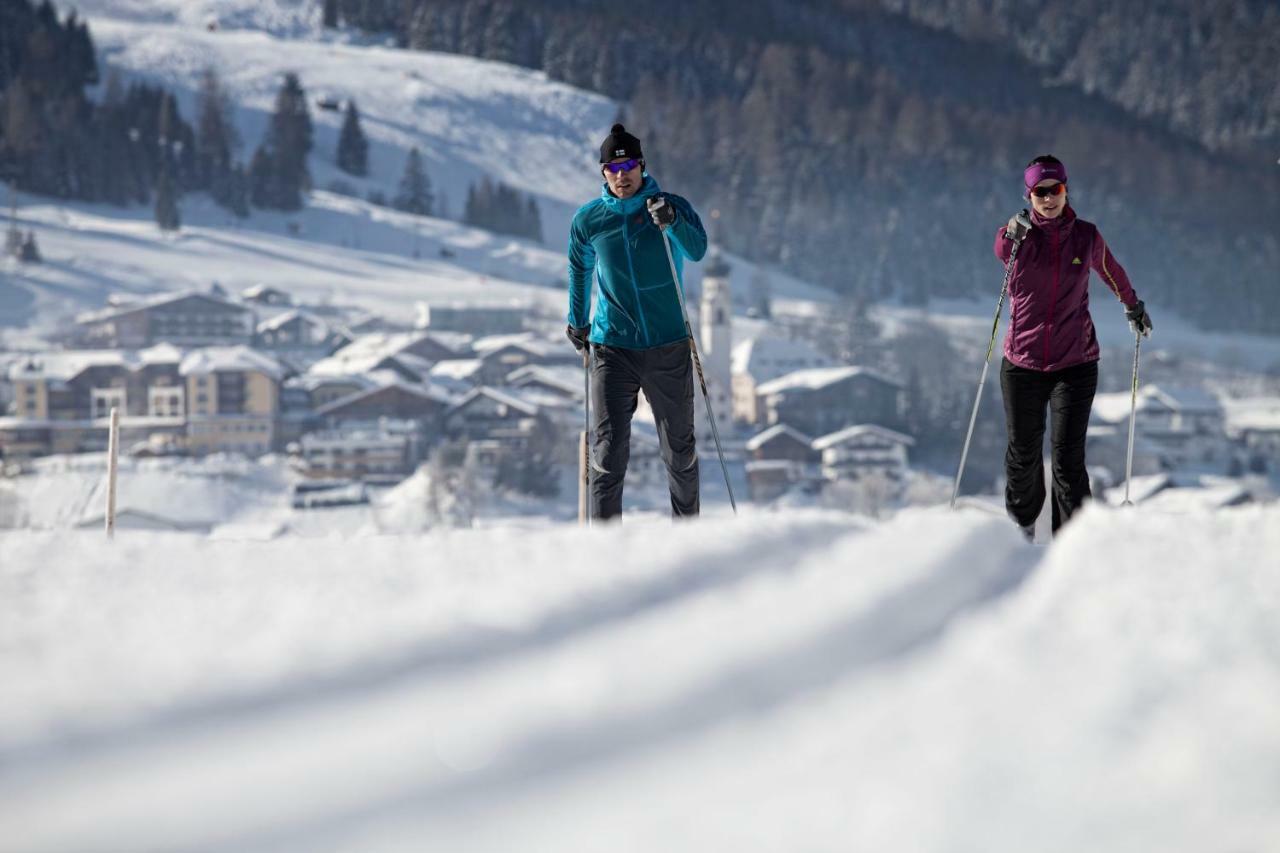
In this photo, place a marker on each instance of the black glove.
(1139, 319)
(662, 211)
(1018, 226)
(578, 335)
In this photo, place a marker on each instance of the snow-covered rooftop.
(1252, 413)
(565, 377)
(760, 439)
(237, 358)
(527, 341)
(63, 365)
(139, 303)
(426, 392)
(766, 358)
(506, 397)
(456, 368)
(368, 351)
(821, 377)
(860, 431)
(1185, 400)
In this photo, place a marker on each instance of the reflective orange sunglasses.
(1049, 192)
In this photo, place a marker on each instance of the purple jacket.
(1049, 325)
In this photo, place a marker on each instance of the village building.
(410, 355)
(383, 452)
(823, 400)
(862, 449)
(63, 399)
(184, 319)
(779, 459)
(233, 398)
(300, 336)
(501, 354)
(763, 359)
(478, 319)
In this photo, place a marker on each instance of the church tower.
(716, 337)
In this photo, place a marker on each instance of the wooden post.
(113, 453)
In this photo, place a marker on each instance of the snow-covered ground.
(781, 682)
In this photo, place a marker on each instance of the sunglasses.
(624, 166)
(1049, 192)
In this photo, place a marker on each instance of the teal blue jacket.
(636, 304)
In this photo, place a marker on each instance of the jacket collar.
(1059, 223)
(628, 206)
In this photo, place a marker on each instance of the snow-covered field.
(779, 682)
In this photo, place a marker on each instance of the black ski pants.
(1068, 393)
(665, 375)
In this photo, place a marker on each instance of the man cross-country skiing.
(637, 335)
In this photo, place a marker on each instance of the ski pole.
(986, 365)
(697, 364)
(585, 507)
(1133, 417)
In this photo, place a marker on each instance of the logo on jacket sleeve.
(1075, 262)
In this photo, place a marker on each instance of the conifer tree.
(216, 137)
(280, 175)
(533, 221)
(166, 209)
(414, 192)
(353, 147)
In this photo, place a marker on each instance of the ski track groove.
(894, 626)
(434, 657)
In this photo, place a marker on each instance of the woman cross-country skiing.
(1050, 349)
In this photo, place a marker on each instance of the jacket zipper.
(635, 285)
(1053, 299)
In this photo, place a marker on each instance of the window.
(165, 401)
(103, 400)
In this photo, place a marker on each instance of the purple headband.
(1037, 172)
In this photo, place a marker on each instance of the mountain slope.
(470, 118)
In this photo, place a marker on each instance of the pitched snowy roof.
(821, 377)
(565, 377)
(1115, 407)
(1254, 413)
(286, 317)
(527, 341)
(426, 392)
(456, 368)
(1111, 408)
(258, 290)
(1180, 399)
(767, 358)
(759, 440)
(369, 350)
(505, 397)
(64, 365)
(311, 383)
(236, 358)
(859, 430)
(132, 306)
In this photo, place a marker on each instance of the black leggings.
(1069, 395)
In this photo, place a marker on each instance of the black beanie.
(619, 143)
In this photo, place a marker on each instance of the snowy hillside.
(801, 682)
(470, 118)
